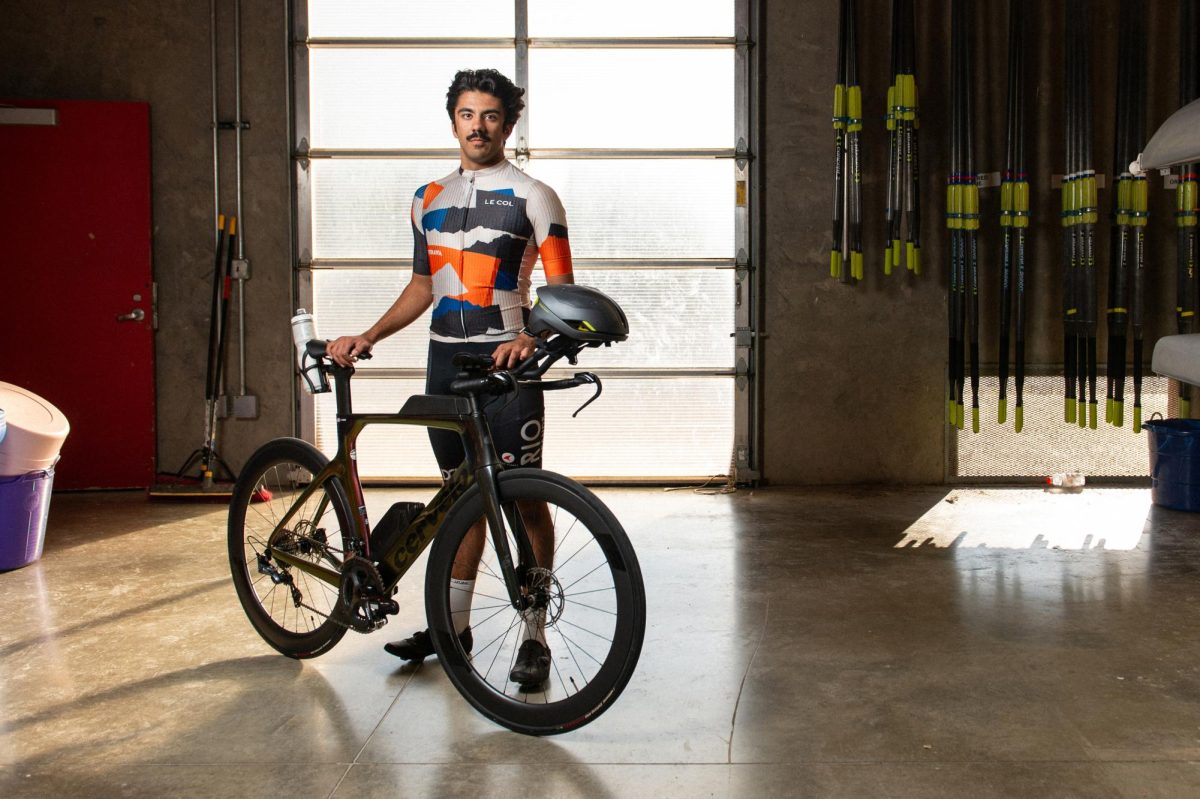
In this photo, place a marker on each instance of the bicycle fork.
(487, 472)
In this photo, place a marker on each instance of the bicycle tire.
(284, 467)
(596, 636)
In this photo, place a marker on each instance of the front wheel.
(292, 610)
(591, 601)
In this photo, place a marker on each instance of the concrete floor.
(828, 642)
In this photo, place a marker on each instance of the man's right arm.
(408, 307)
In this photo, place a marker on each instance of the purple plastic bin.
(24, 506)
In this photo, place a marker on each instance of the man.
(476, 235)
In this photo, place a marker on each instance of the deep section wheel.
(589, 602)
(295, 612)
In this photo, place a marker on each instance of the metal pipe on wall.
(216, 124)
(241, 242)
(238, 124)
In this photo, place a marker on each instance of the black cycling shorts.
(516, 425)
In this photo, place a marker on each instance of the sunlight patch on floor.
(1033, 518)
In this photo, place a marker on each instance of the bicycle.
(308, 567)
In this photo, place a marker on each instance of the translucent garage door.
(651, 206)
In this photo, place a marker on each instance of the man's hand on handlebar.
(511, 353)
(345, 350)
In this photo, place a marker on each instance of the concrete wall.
(853, 376)
(158, 51)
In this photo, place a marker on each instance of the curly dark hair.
(491, 82)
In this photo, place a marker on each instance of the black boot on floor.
(420, 645)
(533, 665)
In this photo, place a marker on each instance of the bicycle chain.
(325, 616)
(331, 617)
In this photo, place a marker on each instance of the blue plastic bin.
(24, 506)
(1175, 463)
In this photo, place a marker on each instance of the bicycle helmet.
(581, 313)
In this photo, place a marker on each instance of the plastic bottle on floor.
(1065, 483)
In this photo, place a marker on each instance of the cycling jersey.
(478, 234)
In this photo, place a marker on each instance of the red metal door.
(76, 292)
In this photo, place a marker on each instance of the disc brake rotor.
(547, 593)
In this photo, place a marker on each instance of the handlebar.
(526, 374)
(477, 378)
(317, 349)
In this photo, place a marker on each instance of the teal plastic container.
(1175, 463)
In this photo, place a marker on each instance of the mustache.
(479, 137)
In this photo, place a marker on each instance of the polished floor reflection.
(845, 642)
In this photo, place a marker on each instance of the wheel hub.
(546, 593)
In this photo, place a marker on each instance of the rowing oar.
(854, 126)
(912, 122)
(846, 251)
(1074, 204)
(1089, 213)
(954, 225)
(962, 221)
(970, 185)
(1116, 311)
(1130, 201)
(902, 211)
(836, 251)
(893, 203)
(1139, 213)
(1185, 196)
(1014, 218)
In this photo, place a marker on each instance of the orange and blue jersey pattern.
(478, 235)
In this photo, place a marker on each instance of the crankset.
(362, 603)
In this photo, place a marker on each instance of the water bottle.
(1065, 482)
(304, 331)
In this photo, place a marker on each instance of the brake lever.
(588, 377)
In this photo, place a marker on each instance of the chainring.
(361, 596)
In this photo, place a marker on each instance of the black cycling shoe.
(420, 645)
(533, 664)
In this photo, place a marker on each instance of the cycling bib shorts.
(516, 424)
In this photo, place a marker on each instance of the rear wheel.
(292, 610)
(592, 598)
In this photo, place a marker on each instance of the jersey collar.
(490, 170)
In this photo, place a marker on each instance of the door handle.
(136, 315)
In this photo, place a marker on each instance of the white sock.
(535, 625)
(461, 594)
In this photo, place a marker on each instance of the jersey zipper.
(462, 249)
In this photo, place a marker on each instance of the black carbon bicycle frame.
(461, 415)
